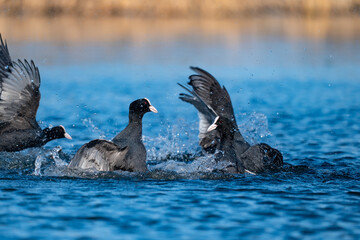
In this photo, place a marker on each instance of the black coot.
(125, 152)
(19, 101)
(219, 130)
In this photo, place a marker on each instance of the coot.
(125, 152)
(19, 101)
(219, 130)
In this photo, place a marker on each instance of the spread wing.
(19, 92)
(211, 100)
(211, 93)
(206, 117)
(5, 59)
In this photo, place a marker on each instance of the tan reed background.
(178, 8)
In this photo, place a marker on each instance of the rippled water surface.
(299, 95)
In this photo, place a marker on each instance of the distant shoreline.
(79, 30)
(179, 9)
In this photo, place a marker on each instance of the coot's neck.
(135, 124)
(133, 130)
(135, 117)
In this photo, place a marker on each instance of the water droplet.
(39, 160)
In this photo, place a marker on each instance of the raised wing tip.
(3, 42)
(200, 71)
(195, 68)
(184, 87)
(184, 96)
(196, 77)
(4, 46)
(180, 84)
(27, 63)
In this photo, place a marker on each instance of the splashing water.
(175, 151)
(174, 141)
(88, 122)
(254, 127)
(38, 162)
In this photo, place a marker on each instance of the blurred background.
(184, 8)
(145, 31)
(138, 22)
(291, 68)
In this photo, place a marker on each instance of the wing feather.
(5, 59)
(206, 116)
(211, 100)
(210, 91)
(101, 155)
(19, 95)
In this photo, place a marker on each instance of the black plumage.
(125, 152)
(218, 128)
(19, 101)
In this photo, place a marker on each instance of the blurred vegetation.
(178, 8)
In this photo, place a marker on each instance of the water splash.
(254, 127)
(173, 154)
(54, 153)
(174, 141)
(88, 123)
(45, 160)
(38, 162)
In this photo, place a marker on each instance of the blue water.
(300, 96)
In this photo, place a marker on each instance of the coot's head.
(142, 106)
(223, 125)
(56, 132)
